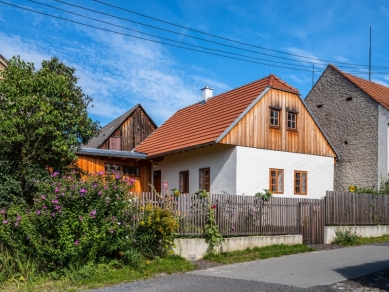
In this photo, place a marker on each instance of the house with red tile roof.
(354, 113)
(254, 137)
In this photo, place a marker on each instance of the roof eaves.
(111, 153)
(180, 150)
(231, 126)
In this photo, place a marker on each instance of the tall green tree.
(43, 120)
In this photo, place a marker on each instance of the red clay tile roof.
(201, 124)
(378, 92)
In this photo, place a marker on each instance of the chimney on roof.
(206, 93)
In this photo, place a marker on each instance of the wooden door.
(157, 181)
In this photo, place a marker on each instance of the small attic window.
(349, 98)
(319, 106)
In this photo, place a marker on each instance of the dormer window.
(275, 116)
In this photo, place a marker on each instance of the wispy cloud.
(119, 72)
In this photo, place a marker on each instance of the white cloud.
(119, 72)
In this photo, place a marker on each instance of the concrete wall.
(221, 159)
(383, 144)
(364, 231)
(195, 248)
(352, 127)
(253, 171)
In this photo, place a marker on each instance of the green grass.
(366, 240)
(257, 253)
(104, 276)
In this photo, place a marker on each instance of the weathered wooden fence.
(356, 209)
(238, 215)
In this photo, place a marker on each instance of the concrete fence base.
(195, 248)
(364, 231)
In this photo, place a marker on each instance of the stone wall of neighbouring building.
(351, 125)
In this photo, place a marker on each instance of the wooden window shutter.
(115, 143)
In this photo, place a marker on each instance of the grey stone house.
(354, 113)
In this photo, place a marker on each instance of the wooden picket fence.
(238, 215)
(344, 208)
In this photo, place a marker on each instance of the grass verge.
(366, 240)
(103, 276)
(257, 253)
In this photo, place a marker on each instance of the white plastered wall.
(221, 159)
(253, 171)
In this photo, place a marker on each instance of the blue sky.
(118, 71)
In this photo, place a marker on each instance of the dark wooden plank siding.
(133, 130)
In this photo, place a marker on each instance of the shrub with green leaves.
(73, 221)
(345, 237)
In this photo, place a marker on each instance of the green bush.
(72, 221)
(345, 237)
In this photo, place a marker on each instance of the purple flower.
(44, 207)
(92, 213)
(105, 187)
(114, 187)
(132, 180)
(111, 231)
(81, 218)
(57, 190)
(57, 207)
(94, 185)
(16, 223)
(18, 218)
(2, 211)
(82, 192)
(76, 242)
(55, 174)
(53, 214)
(100, 192)
(43, 197)
(38, 212)
(5, 221)
(118, 176)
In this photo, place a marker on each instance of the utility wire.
(191, 49)
(227, 39)
(141, 38)
(194, 37)
(171, 40)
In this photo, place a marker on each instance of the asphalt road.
(302, 272)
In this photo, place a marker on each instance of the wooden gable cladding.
(132, 131)
(93, 164)
(254, 129)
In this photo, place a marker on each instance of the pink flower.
(165, 185)
(43, 197)
(81, 218)
(2, 211)
(19, 218)
(76, 242)
(57, 207)
(233, 228)
(92, 213)
(55, 174)
(132, 180)
(105, 187)
(44, 207)
(5, 221)
(118, 176)
(53, 214)
(54, 201)
(82, 192)
(57, 190)
(114, 187)
(111, 231)
(100, 192)
(38, 212)
(16, 223)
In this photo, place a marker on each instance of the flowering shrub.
(155, 234)
(72, 221)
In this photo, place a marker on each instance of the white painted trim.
(230, 127)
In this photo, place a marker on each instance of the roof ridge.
(285, 83)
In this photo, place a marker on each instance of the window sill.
(292, 130)
(275, 127)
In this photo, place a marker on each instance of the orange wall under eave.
(93, 164)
